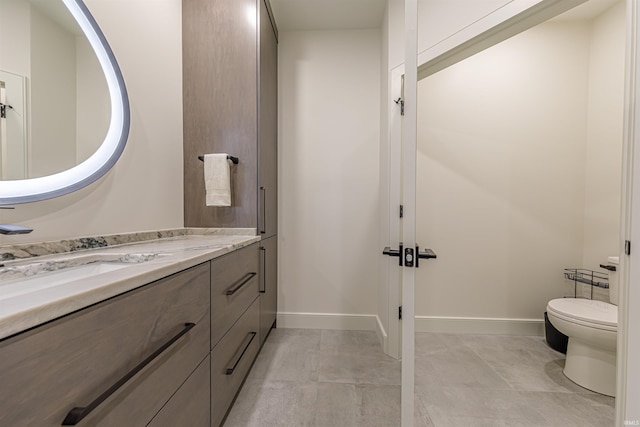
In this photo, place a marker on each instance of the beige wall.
(604, 143)
(329, 134)
(52, 94)
(502, 160)
(144, 190)
(93, 107)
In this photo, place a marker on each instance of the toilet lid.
(590, 311)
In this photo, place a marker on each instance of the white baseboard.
(482, 325)
(347, 322)
(451, 325)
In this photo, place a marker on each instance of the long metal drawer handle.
(241, 351)
(240, 284)
(78, 413)
(263, 278)
(263, 217)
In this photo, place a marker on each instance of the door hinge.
(401, 211)
(627, 247)
(400, 312)
(400, 102)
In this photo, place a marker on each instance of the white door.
(405, 255)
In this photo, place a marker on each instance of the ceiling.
(292, 15)
(588, 10)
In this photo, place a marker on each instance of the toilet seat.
(590, 313)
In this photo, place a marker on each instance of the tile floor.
(342, 378)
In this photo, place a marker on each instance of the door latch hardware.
(427, 254)
(408, 257)
(3, 110)
(400, 102)
(393, 252)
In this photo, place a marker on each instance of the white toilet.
(592, 328)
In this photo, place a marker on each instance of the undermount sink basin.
(25, 285)
(21, 277)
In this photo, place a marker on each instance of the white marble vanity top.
(94, 275)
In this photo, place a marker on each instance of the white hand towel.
(217, 180)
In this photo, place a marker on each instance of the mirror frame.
(100, 162)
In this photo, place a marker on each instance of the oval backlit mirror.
(15, 191)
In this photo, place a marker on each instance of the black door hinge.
(627, 247)
(400, 312)
(401, 211)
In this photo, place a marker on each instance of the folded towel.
(217, 180)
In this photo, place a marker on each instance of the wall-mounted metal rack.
(588, 277)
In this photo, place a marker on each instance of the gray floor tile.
(274, 404)
(288, 355)
(430, 343)
(363, 405)
(571, 409)
(451, 406)
(342, 378)
(360, 343)
(526, 363)
(457, 367)
(355, 369)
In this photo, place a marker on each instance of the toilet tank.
(613, 279)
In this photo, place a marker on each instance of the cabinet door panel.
(220, 111)
(268, 127)
(71, 361)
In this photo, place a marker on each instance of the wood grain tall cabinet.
(230, 77)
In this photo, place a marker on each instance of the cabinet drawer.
(231, 360)
(234, 286)
(190, 405)
(72, 361)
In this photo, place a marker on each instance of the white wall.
(52, 95)
(144, 190)
(329, 96)
(502, 161)
(14, 50)
(604, 148)
(93, 106)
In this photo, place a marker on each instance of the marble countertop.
(135, 263)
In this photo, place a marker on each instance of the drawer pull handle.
(78, 413)
(263, 277)
(240, 283)
(241, 351)
(263, 217)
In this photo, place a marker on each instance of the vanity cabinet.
(73, 361)
(235, 325)
(230, 86)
